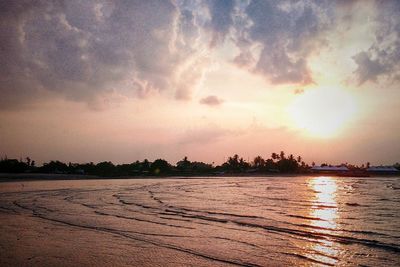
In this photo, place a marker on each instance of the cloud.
(285, 34)
(97, 51)
(298, 91)
(211, 100)
(207, 135)
(221, 19)
(382, 58)
(368, 69)
(87, 50)
(245, 59)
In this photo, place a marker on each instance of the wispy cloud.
(211, 100)
(206, 135)
(298, 91)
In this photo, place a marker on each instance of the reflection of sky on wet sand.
(324, 210)
(246, 221)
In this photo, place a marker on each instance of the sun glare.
(323, 112)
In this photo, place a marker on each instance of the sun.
(323, 112)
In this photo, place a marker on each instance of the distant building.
(383, 170)
(330, 169)
(339, 171)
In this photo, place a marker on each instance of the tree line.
(278, 162)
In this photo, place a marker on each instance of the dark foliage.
(13, 166)
(277, 163)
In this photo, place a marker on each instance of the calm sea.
(246, 221)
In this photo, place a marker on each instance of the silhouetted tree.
(258, 162)
(105, 168)
(184, 165)
(145, 165)
(54, 166)
(160, 166)
(270, 165)
(234, 164)
(28, 161)
(201, 167)
(13, 166)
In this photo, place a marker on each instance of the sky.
(123, 81)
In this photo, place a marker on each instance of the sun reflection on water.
(324, 202)
(325, 213)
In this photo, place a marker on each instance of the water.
(250, 221)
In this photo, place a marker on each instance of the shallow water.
(251, 221)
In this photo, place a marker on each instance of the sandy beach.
(268, 221)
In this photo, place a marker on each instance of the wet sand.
(271, 221)
(29, 241)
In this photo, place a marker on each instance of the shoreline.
(10, 177)
(25, 177)
(172, 222)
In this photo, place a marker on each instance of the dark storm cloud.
(382, 59)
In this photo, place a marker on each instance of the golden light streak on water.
(325, 211)
(324, 202)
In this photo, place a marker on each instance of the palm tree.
(258, 162)
(242, 164)
(282, 155)
(299, 159)
(184, 164)
(274, 156)
(28, 161)
(233, 162)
